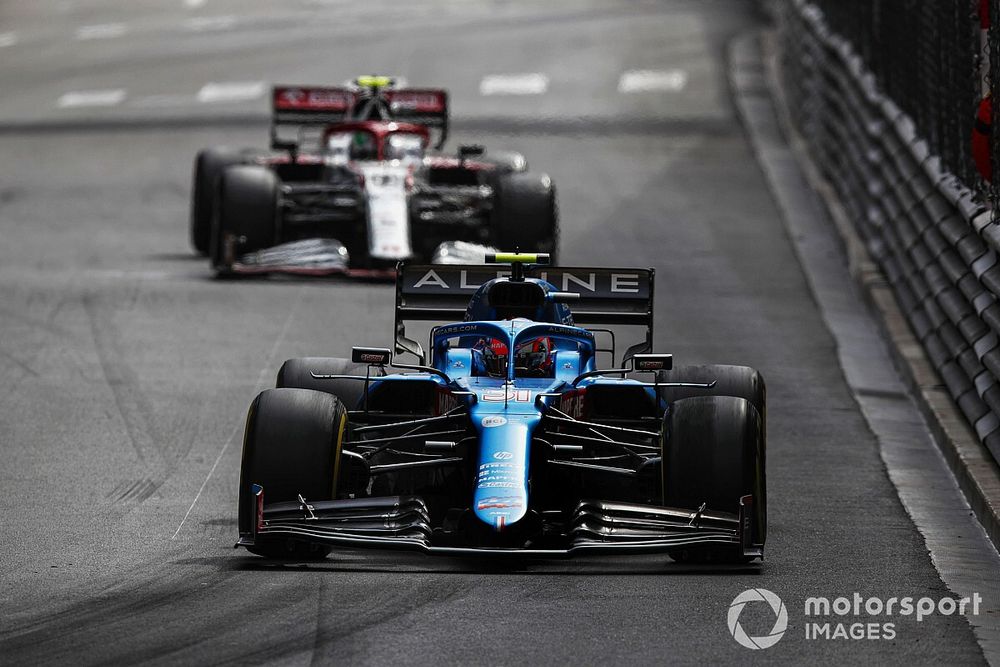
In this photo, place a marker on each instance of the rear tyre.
(299, 373)
(291, 447)
(247, 209)
(713, 453)
(741, 381)
(208, 167)
(525, 214)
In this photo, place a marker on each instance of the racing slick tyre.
(741, 381)
(299, 373)
(208, 167)
(291, 447)
(713, 454)
(525, 214)
(247, 208)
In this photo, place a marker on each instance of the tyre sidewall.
(713, 453)
(208, 167)
(247, 207)
(291, 446)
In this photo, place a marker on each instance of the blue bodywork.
(506, 409)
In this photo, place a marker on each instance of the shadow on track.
(418, 564)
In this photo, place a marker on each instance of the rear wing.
(297, 109)
(607, 296)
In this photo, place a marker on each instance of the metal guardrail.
(934, 239)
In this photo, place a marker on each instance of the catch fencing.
(885, 93)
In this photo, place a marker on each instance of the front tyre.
(208, 167)
(292, 446)
(726, 380)
(713, 454)
(246, 214)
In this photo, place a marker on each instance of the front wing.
(329, 257)
(596, 527)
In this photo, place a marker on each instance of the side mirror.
(650, 363)
(373, 356)
(471, 150)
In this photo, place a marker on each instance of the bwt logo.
(780, 618)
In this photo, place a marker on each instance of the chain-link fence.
(925, 55)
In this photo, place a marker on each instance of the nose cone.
(501, 495)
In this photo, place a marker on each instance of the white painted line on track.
(132, 275)
(163, 101)
(101, 31)
(230, 91)
(648, 80)
(91, 98)
(8, 39)
(514, 84)
(210, 23)
(262, 379)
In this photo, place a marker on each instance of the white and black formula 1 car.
(506, 437)
(355, 181)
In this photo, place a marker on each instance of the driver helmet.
(535, 358)
(532, 358)
(491, 354)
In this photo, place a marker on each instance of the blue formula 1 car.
(506, 437)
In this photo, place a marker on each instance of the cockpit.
(534, 358)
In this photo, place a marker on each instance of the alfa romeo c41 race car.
(506, 437)
(351, 185)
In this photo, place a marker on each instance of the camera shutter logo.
(780, 620)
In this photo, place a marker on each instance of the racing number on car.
(513, 395)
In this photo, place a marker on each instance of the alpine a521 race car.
(506, 437)
(350, 186)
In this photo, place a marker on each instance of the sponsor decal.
(490, 422)
(312, 99)
(652, 362)
(509, 502)
(573, 403)
(464, 328)
(502, 455)
(593, 283)
(416, 101)
(445, 401)
(371, 355)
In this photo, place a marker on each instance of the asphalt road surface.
(127, 369)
